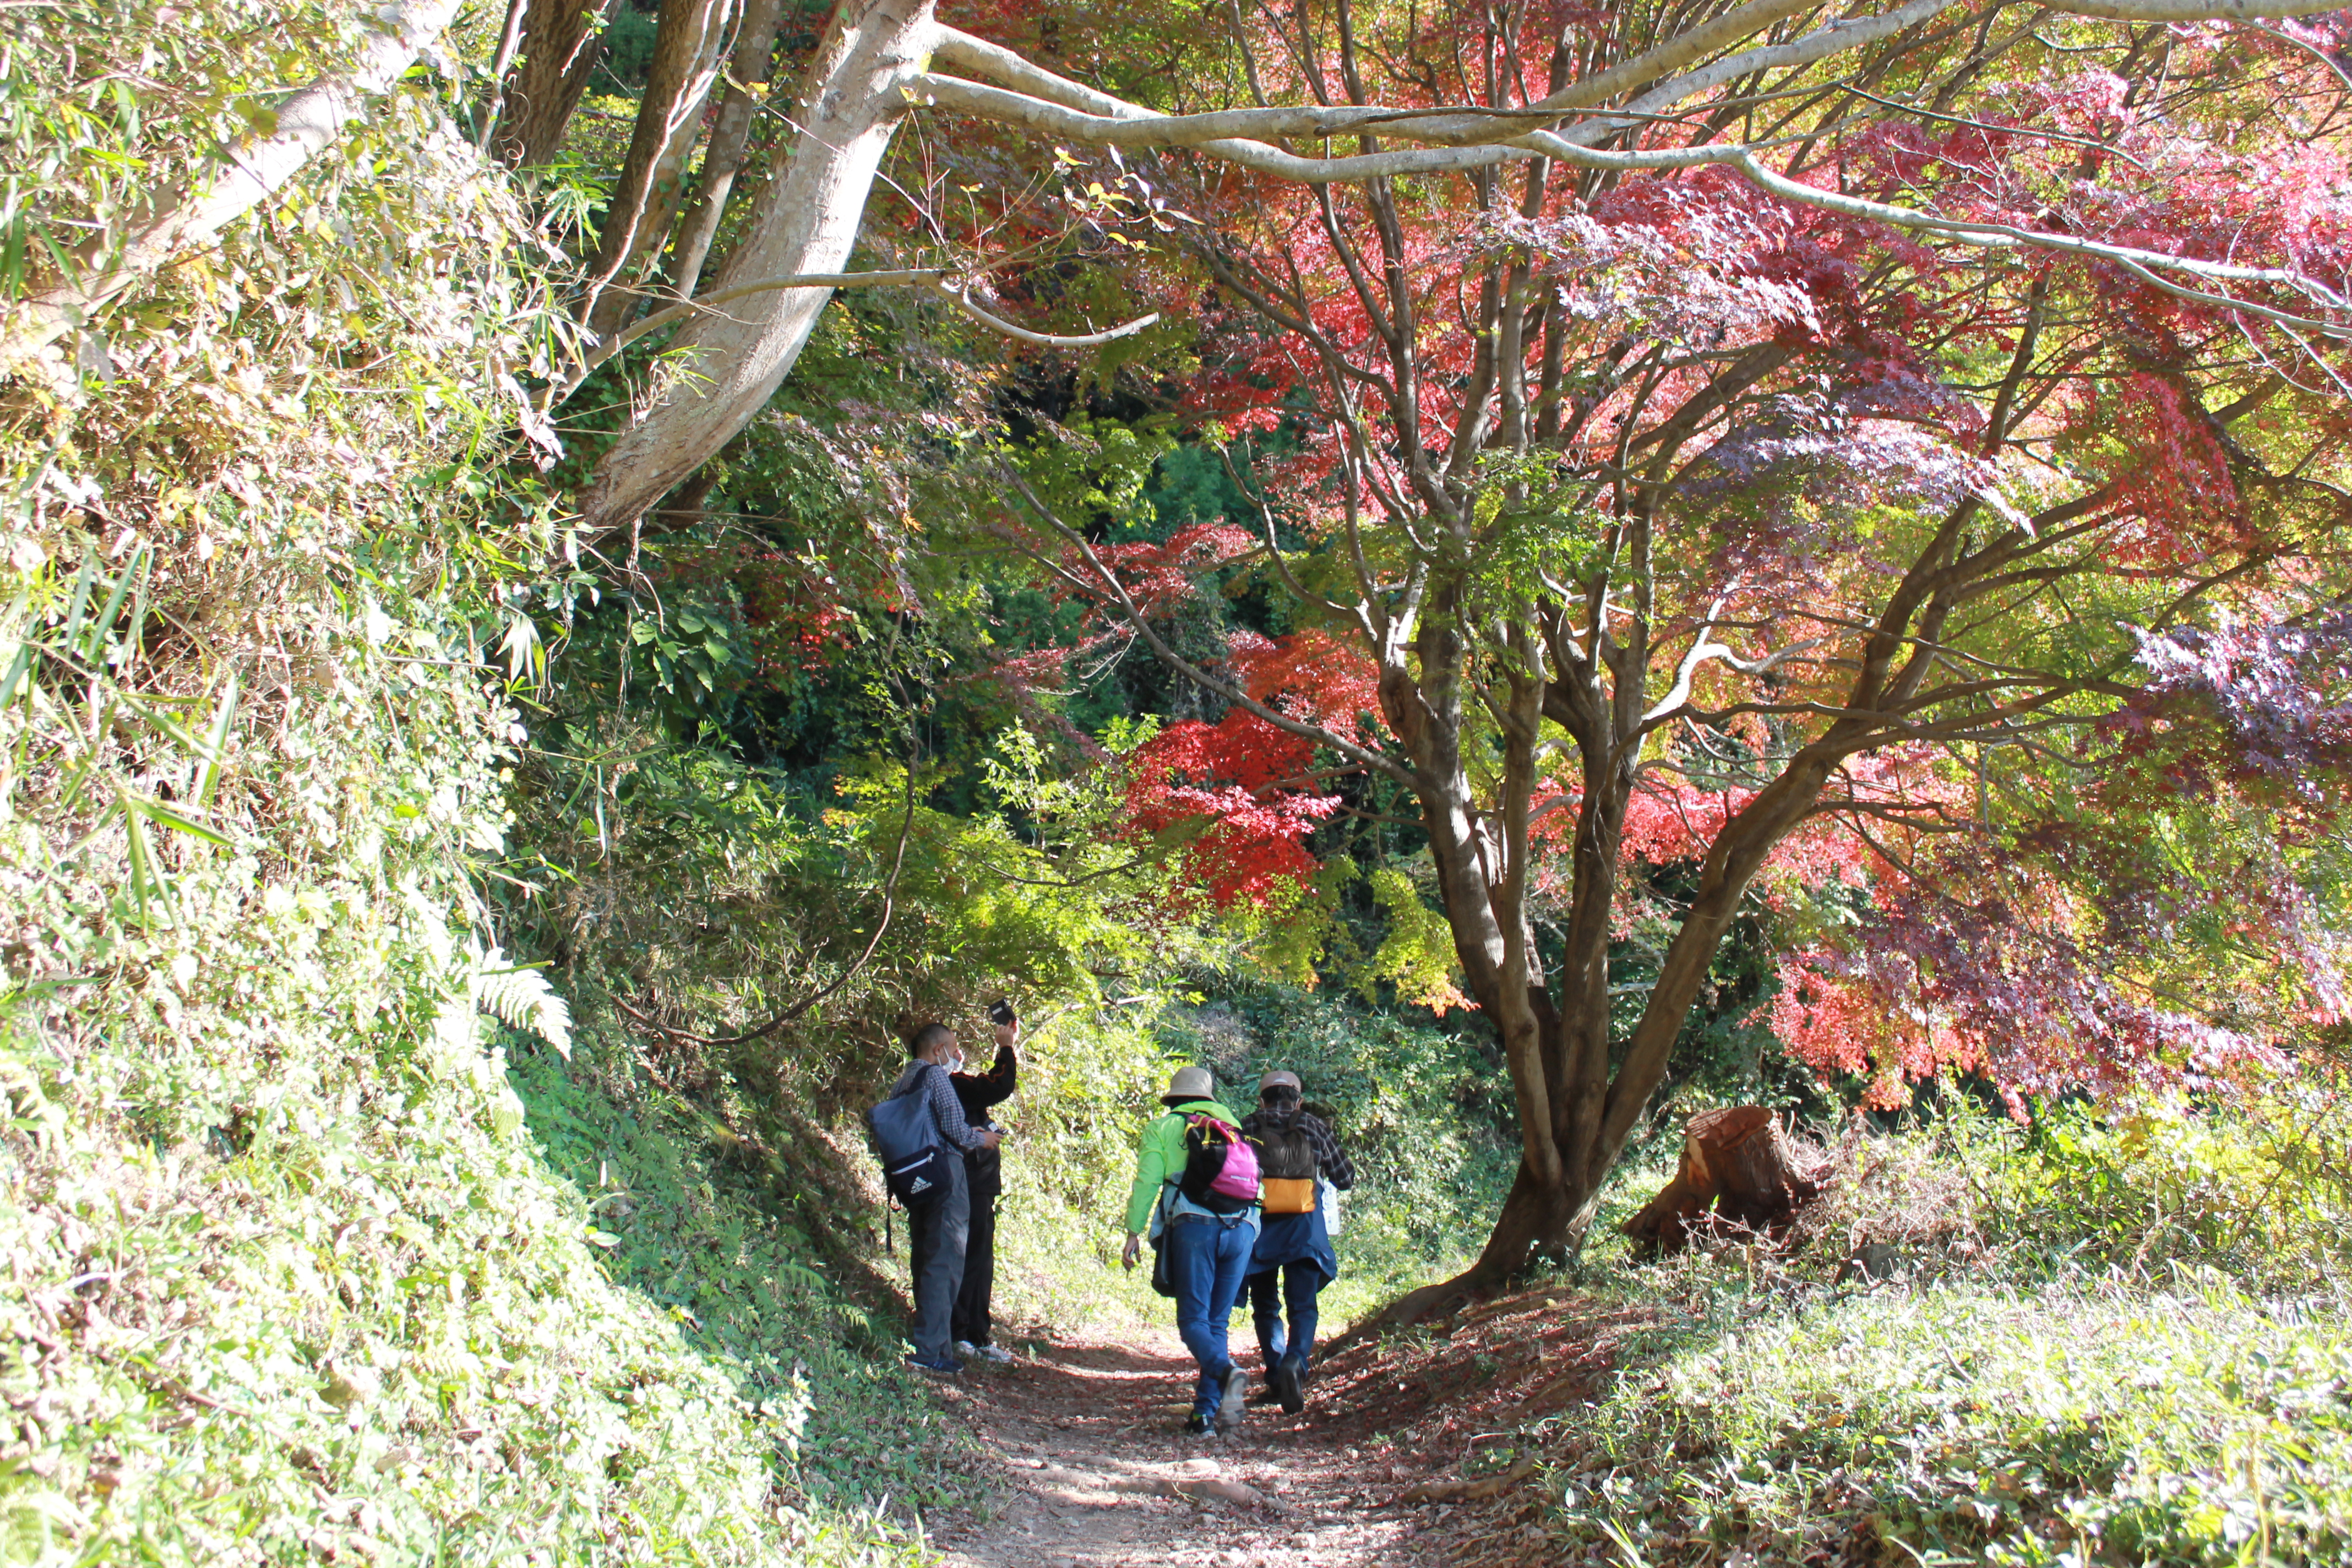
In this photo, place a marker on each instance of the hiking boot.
(1289, 1380)
(946, 1367)
(1201, 1425)
(1229, 1409)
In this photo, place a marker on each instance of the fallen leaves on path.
(1405, 1457)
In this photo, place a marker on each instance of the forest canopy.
(1562, 563)
(1585, 481)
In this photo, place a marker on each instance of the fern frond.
(520, 998)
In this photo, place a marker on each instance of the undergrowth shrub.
(2258, 1188)
(289, 1275)
(304, 1259)
(2107, 1339)
(2088, 1423)
(799, 1332)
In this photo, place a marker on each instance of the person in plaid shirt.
(1294, 1258)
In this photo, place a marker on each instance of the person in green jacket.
(1208, 1251)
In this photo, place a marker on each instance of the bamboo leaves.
(73, 683)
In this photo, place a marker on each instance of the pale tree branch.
(1193, 130)
(937, 279)
(239, 179)
(1059, 107)
(1702, 648)
(881, 57)
(730, 134)
(510, 37)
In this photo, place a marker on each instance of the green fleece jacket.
(1162, 1158)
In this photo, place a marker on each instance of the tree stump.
(1738, 1173)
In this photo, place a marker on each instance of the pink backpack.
(1220, 1167)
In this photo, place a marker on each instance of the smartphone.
(1001, 1012)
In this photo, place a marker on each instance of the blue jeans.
(1205, 1261)
(1301, 1282)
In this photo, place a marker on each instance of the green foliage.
(521, 998)
(2103, 1343)
(296, 1270)
(1416, 957)
(2257, 1191)
(628, 36)
(2114, 1425)
(292, 1279)
(1093, 1081)
(738, 1283)
(1090, 471)
(87, 146)
(696, 884)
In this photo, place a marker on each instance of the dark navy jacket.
(976, 1091)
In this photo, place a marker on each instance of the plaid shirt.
(1330, 1160)
(945, 1110)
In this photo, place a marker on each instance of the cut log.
(1738, 1174)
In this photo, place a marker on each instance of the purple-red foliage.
(2249, 708)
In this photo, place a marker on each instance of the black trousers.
(974, 1300)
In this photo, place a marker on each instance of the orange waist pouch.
(1287, 1194)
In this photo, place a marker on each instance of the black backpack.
(907, 1138)
(1286, 1163)
(1284, 1153)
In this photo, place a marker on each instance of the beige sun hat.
(1190, 1083)
(1280, 1078)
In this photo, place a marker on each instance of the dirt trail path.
(1098, 1473)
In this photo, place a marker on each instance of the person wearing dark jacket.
(1293, 1259)
(939, 1222)
(984, 1176)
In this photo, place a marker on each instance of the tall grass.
(2107, 1339)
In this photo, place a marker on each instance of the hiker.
(940, 1222)
(1207, 1238)
(1292, 1260)
(984, 1177)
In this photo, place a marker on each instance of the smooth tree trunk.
(1592, 1112)
(732, 362)
(730, 134)
(232, 183)
(536, 102)
(687, 41)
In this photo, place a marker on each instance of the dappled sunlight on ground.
(1095, 1472)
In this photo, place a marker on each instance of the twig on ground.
(1479, 1491)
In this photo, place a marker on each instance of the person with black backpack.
(937, 1192)
(1292, 1258)
(1196, 1189)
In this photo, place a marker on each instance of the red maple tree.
(1689, 506)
